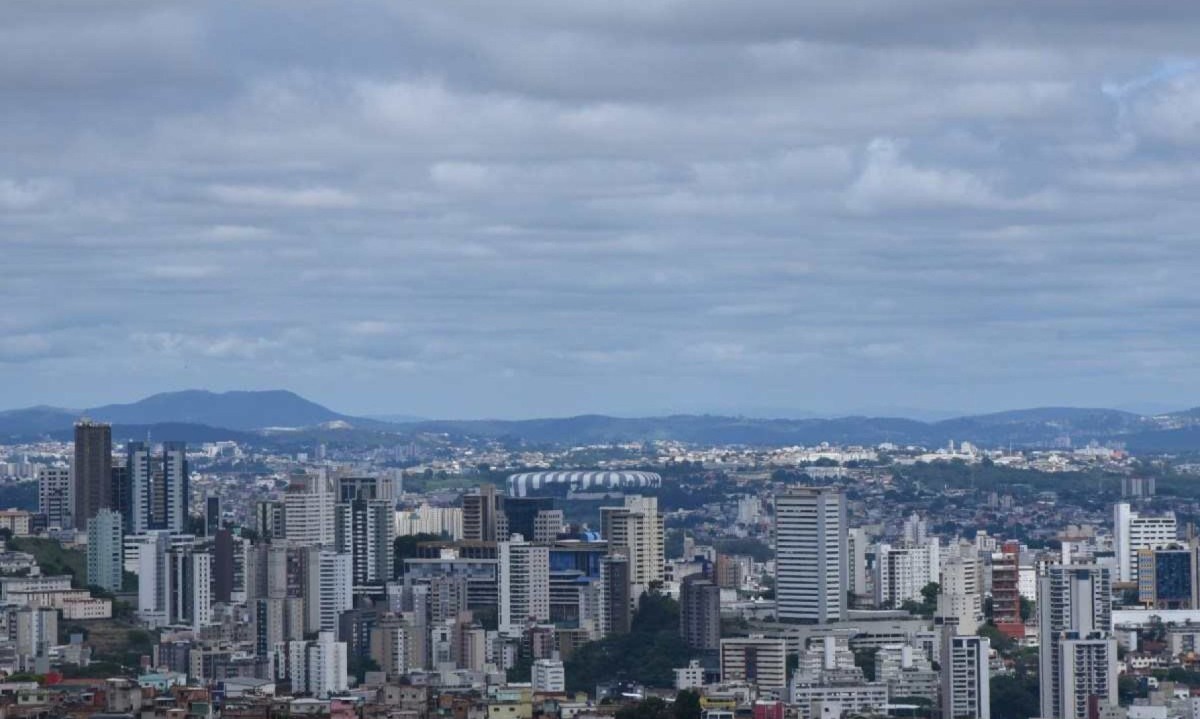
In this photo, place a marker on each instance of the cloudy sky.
(538, 207)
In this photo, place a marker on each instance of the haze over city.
(528, 209)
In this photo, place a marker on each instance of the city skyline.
(624, 208)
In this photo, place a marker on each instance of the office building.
(224, 565)
(520, 515)
(269, 520)
(105, 560)
(1133, 532)
(1077, 656)
(811, 555)
(636, 531)
(212, 515)
(761, 661)
(189, 586)
(92, 470)
(1167, 578)
(700, 613)
(55, 498)
(524, 584)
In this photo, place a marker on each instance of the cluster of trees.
(685, 706)
(648, 654)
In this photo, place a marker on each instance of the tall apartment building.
(308, 511)
(965, 676)
(55, 497)
(1133, 532)
(636, 531)
(329, 584)
(1077, 658)
(105, 560)
(857, 543)
(959, 594)
(92, 470)
(616, 612)
(700, 613)
(483, 516)
(366, 530)
(902, 572)
(1006, 590)
(524, 579)
(811, 555)
(159, 487)
(317, 668)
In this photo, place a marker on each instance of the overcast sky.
(526, 208)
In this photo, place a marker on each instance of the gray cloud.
(467, 209)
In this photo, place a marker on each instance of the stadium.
(521, 485)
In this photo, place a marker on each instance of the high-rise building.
(366, 530)
(1077, 657)
(700, 613)
(329, 582)
(902, 572)
(520, 514)
(524, 579)
(761, 661)
(153, 576)
(92, 469)
(159, 487)
(959, 595)
(965, 676)
(189, 586)
(224, 545)
(1006, 590)
(55, 496)
(857, 543)
(269, 520)
(105, 562)
(309, 517)
(636, 531)
(1133, 532)
(212, 515)
(811, 555)
(122, 491)
(483, 515)
(616, 615)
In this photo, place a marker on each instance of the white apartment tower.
(636, 531)
(965, 677)
(524, 584)
(1133, 532)
(1077, 658)
(811, 555)
(309, 511)
(105, 561)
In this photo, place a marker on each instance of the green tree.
(687, 705)
(1014, 697)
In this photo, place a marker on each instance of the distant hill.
(1031, 427)
(235, 410)
(34, 421)
(200, 416)
(173, 431)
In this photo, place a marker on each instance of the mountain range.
(199, 415)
